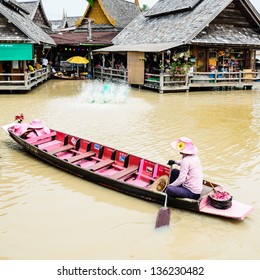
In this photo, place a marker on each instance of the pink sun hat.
(36, 123)
(184, 145)
(20, 128)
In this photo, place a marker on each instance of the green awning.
(10, 52)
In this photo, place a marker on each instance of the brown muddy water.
(48, 214)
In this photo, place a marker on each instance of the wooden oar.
(212, 185)
(209, 184)
(164, 214)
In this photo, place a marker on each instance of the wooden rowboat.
(66, 77)
(117, 170)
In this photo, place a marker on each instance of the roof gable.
(117, 13)
(98, 14)
(233, 26)
(25, 25)
(65, 23)
(36, 12)
(9, 32)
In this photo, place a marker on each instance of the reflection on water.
(46, 213)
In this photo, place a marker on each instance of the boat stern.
(238, 210)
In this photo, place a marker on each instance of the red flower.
(19, 118)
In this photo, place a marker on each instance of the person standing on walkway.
(45, 62)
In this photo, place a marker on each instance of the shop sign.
(10, 52)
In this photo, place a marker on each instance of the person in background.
(45, 62)
(30, 67)
(6, 70)
(186, 182)
(53, 71)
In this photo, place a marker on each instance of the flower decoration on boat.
(180, 146)
(19, 118)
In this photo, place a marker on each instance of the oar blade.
(163, 217)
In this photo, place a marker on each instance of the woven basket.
(220, 203)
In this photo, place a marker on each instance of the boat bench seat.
(49, 145)
(61, 149)
(122, 173)
(45, 137)
(80, 156)
(145, 176)
(101, 164)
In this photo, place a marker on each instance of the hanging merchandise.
(221, 53)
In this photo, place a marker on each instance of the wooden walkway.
(164, 82)
(23, 81)
(202, 80)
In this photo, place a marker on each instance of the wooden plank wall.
(135, 65)
(232, 16)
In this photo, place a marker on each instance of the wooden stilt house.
(202, 36)
(100, 23)
(20, 38)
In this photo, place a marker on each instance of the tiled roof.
(32, 7)
(65, 22)
(78, 38)
(220, 34)
(168, 22)
(122, 11)
(24, 24)
(167, 7)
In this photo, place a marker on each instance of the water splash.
(105, 92)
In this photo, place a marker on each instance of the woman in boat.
(186, 182)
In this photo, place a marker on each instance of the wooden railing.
(112, 74)
(167, 82)
(218, 77)
(23, 81)
(164, 81)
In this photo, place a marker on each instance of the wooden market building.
(26, 35)
(22, 42)
(96, 28)
(180, 45)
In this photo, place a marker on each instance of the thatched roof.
(174, 22)
(15, 15)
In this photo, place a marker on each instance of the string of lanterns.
(73, 49)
